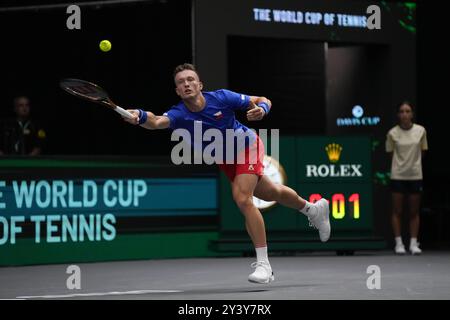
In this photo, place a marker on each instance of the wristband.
(265, 107)
(142, 116)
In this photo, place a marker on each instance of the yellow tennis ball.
(105, 45)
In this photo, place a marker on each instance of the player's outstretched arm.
(258, 108)
(148, 120)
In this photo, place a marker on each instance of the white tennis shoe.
(414, 249)
(321, 219)
(262, 274)
(400, 249)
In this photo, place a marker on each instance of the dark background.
(290, 72)
(148, 41)
(433, 113)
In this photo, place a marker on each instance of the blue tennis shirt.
(218, 113)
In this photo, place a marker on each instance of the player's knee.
(243, 201)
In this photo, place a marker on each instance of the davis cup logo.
(358, 119)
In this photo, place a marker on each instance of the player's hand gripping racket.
(92, 92)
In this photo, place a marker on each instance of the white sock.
(309, 209)
(398, 241)
(413, 242)
(261, 254)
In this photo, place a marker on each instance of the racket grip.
(123, 112)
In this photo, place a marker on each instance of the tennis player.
(216, 109)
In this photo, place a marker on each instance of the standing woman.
(407, 142)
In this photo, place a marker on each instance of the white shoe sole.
(270, 279)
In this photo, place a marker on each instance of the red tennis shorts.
(253, 163)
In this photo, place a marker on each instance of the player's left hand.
(255, 113)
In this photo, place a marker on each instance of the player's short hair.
(185, 66)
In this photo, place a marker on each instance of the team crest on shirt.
(250, 168)
(218, 115)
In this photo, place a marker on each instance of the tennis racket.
(92, 92)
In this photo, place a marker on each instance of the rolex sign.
(334, 159)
